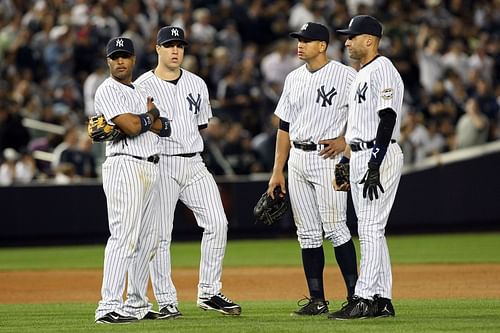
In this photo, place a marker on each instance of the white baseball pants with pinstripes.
(131, 188)
(375, 266)
(187, 179)
(318, 210)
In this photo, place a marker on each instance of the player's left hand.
(333, 147)
(371, 181)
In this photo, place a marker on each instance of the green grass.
(452, 248)
(412, 316)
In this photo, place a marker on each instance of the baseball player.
(183, 98)
(376, 162)
(130, 178)
(313, 114)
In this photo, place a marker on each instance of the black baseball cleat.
(312, 307)
(355, 308)
(151, 315)
(169, 312)
(382, 307)
(221, 304)
(115, 318)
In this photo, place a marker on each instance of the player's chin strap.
(383, 139)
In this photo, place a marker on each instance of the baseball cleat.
(313, 307)
(355, 308)
(382, 307)
(219, 303)
(115, 318)
(169, 312)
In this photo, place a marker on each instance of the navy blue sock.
(346, 259)
(313, 261)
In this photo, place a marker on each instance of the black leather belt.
(363, 145)
(305, 146)
(153, 158)
(186, 155)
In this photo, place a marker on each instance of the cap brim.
(174, 40)
(299, 35)
(347, 32)
(122, 51)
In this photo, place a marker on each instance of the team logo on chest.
(361, 92)
(194, 103)
(325, 97)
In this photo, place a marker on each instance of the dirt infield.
(259, 283)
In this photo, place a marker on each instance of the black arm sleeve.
(203, 126)
(385, 127)
(284, 126)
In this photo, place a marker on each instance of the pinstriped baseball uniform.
(186, 178)
(377, 86)
(130, 185)
(315, 105)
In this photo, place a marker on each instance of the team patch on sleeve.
(387, 93)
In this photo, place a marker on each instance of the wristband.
(344, 160)
(377, 155)
(146, 122)
(166, 129)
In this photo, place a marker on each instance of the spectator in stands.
(70, 141)
(472, 127)
(8, 167)
(90, 85)
(58, 54)
(80, 157)
(488, 105)
(429, 58)
(414, 137)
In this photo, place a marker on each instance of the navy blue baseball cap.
(312, 31)
(170, 34)
(120, 44)
(363, 24)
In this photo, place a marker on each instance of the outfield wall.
(454, 193)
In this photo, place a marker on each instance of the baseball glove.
(99, 130)
(342, 177)
(269, 210)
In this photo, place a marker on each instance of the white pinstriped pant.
(187, 179)
(131, 188)
(317, 208)
(375, 275)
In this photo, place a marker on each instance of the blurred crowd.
(52, 60)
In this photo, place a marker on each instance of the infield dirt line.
(260, 283)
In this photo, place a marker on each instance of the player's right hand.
(277, 179)
(333, 147)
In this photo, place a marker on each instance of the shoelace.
(304, 301)
(308, 301)
(224, 298)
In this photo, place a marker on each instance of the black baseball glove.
(342, 176)
(100, 130)
(269, 210)
(371, 179)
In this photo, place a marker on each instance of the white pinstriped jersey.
(315, 103)
(113, 98)
(377, 86)
(186, 104)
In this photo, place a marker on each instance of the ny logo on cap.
(175, 32)
(304, 27)
(350, 22)
(119, 42)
